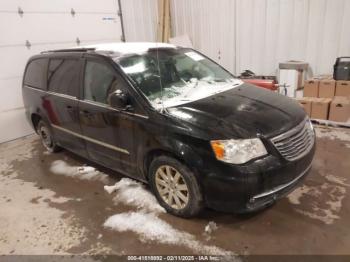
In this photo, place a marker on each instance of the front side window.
(63, 76)
(99, 81)
(35, 75)
(170, 76)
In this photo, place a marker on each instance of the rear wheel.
(175, 187)
(46, 137)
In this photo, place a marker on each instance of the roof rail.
(69, 50)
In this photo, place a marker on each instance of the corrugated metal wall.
(210, 25)
(140, 20)
(257, 34)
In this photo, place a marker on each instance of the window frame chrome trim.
(122, 150)
(62, 95)
(111, 108)
(35, 88)
(86, 101)
(52, 93)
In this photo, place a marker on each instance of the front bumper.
(250, 187)
(267, 198)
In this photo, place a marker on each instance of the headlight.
(238, 151)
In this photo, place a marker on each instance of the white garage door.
(28, 27)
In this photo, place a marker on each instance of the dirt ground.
(57, 204)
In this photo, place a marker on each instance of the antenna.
(160, 78)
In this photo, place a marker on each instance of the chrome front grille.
(297, 142)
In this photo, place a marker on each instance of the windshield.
(172, 76)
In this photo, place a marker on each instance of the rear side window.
(63, 76)
(35, 75)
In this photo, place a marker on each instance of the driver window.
(99, 81)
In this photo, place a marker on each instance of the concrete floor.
(55, 207)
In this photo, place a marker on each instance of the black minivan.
(171, 117)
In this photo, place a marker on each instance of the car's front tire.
(175, 187)
(46, 136)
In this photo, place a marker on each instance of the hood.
(241, 112)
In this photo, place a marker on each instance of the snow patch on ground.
(60, 200)
(337, 180)
(323, 202)
(133, 193)
(5, 166)
(209, 229)
(27, 149)
(151, 228)
(314, 205)
(298, 193)
(38, 228)
(334, 134)
(145, 221)
(110, 189)
(10, 152)
(41, 224)
(60, 167)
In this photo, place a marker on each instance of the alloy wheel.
(172, 187)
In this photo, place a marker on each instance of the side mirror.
(119, 100)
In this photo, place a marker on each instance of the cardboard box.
(311, 88)
(340, 109)
(320, 108)
(342, 88)
(326, 88)
(305, 102)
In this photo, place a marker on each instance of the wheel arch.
(181, 152)
(152, 154)
(35, 118)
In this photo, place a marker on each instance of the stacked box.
(305, 102)
(327, 88)
(325, 98)
(340, 109)
(342, 88)
(311, 88)
(320, 108)
(315, 107)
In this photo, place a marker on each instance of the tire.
(169, 187)
(46, 136)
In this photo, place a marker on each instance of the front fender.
(185, 153)
(180, 150)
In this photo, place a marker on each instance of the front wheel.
(175, 187)
(47, 140)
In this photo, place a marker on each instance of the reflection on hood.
(191, 91)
